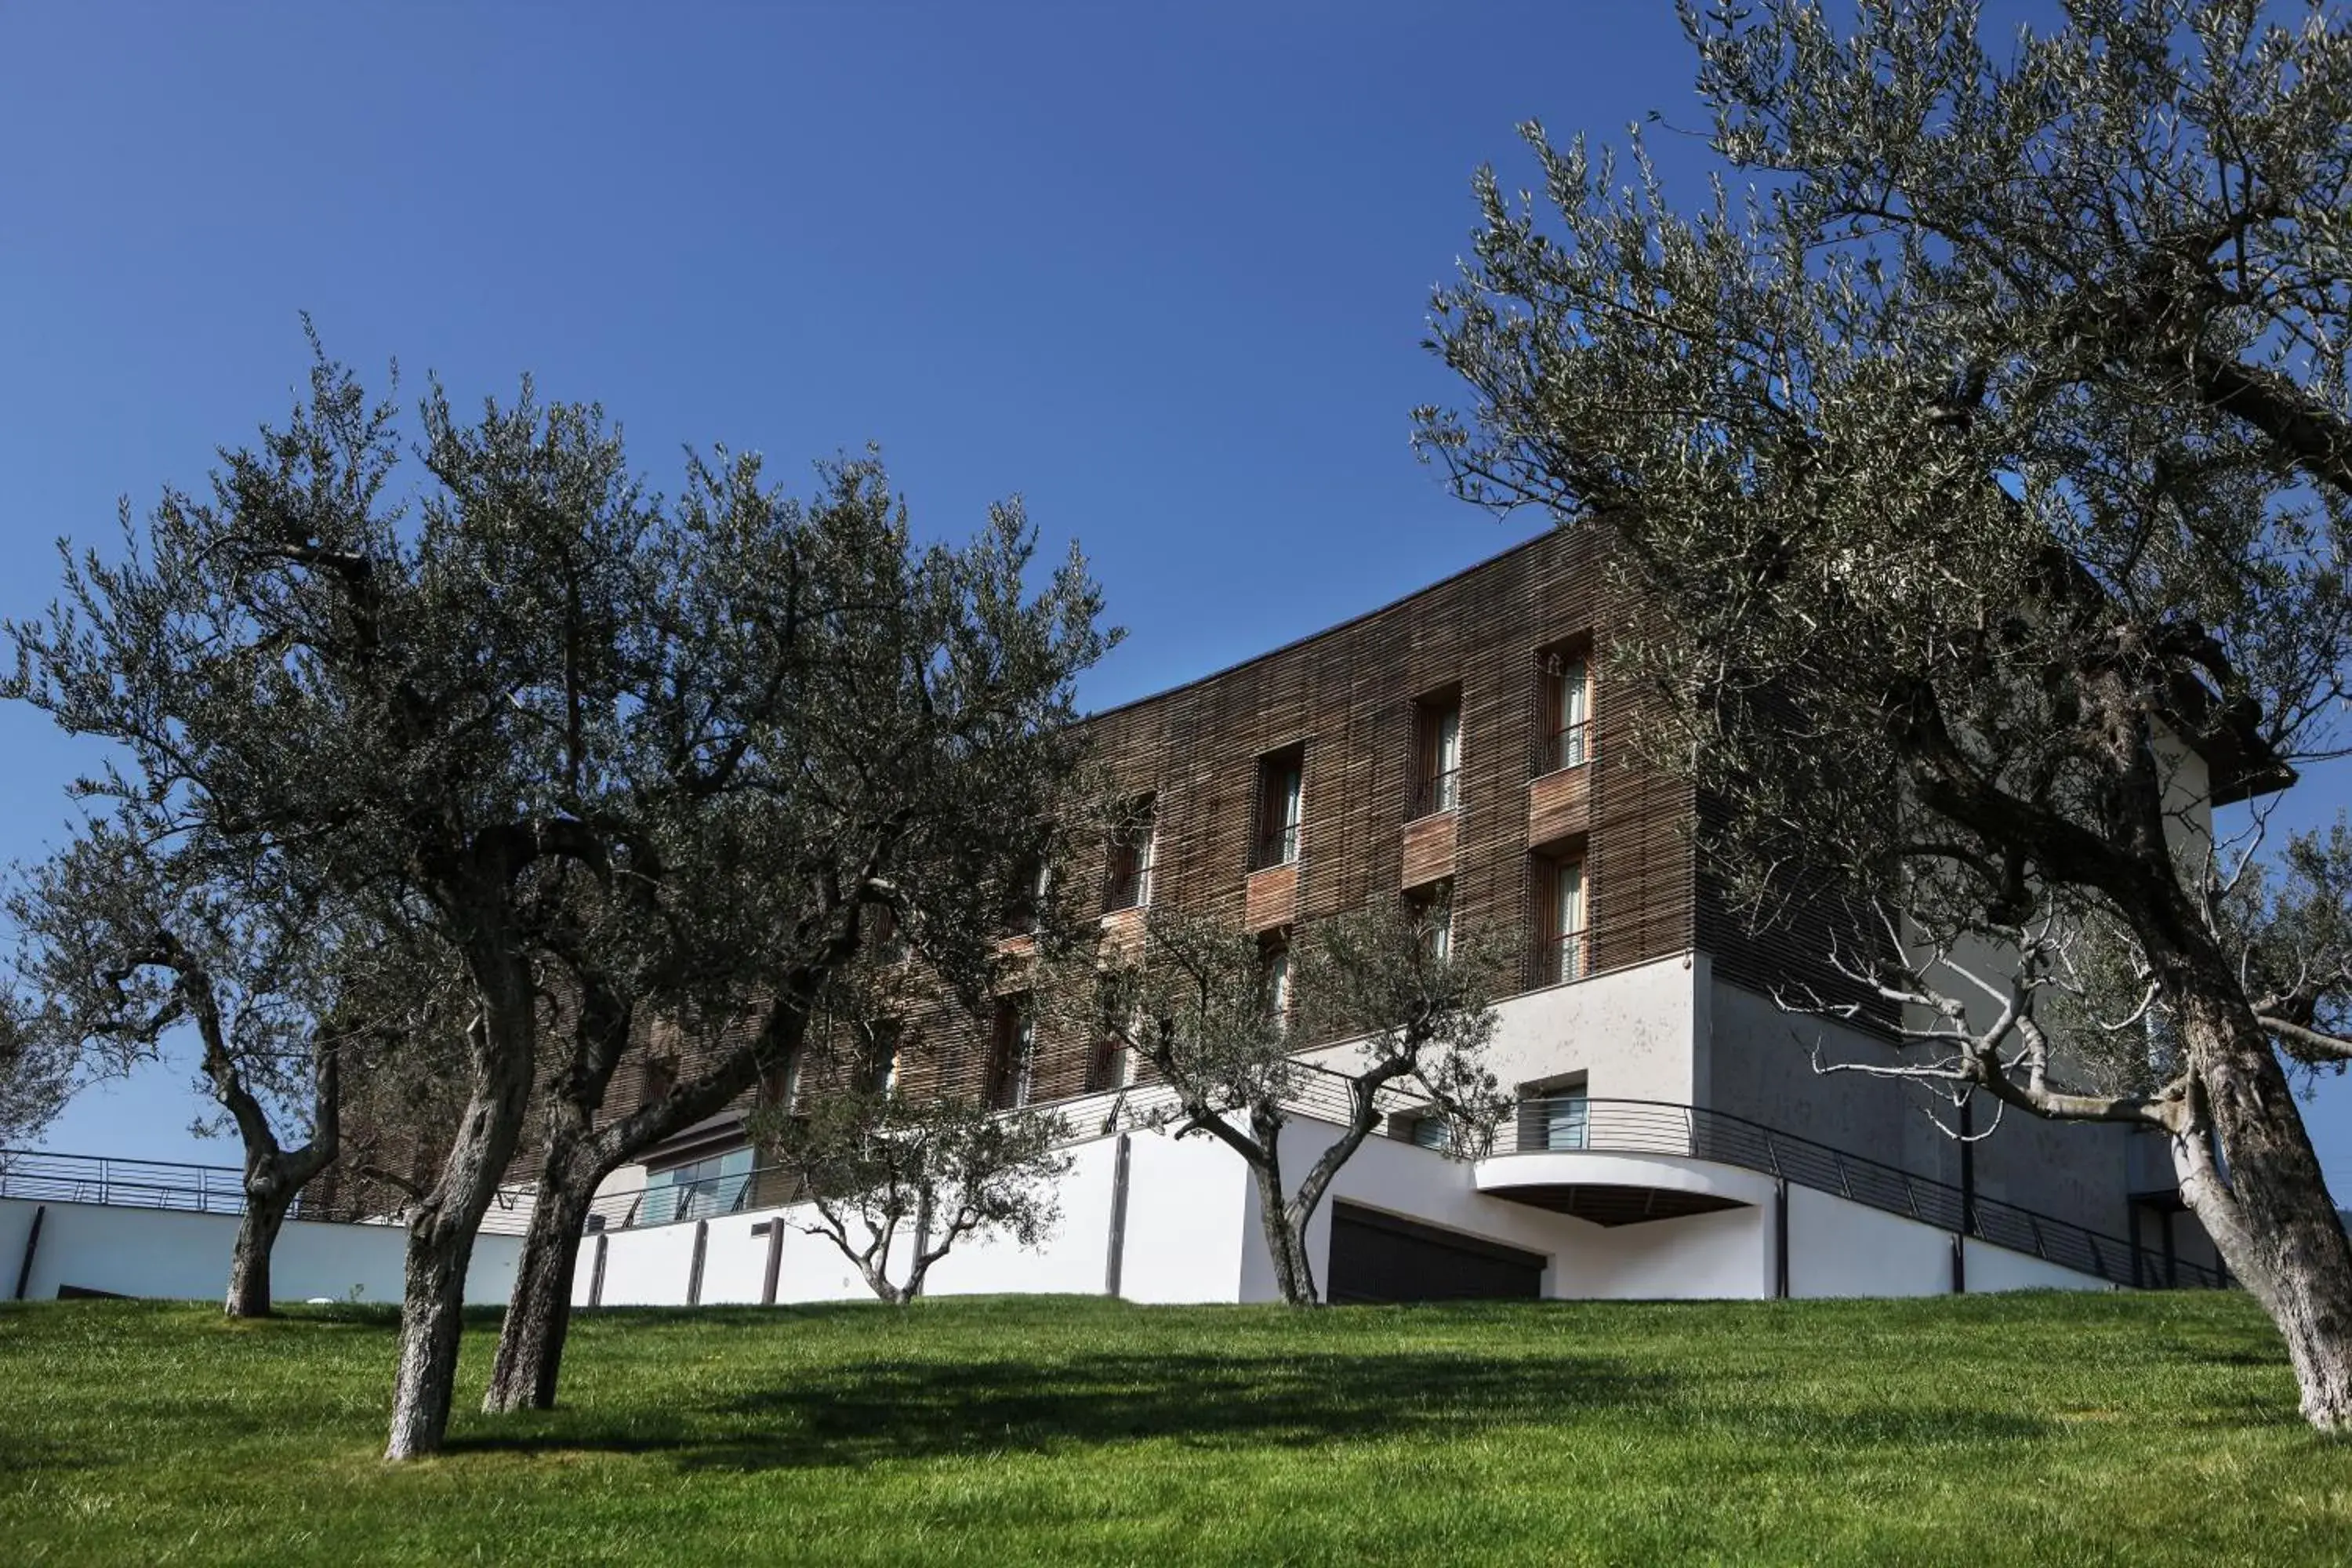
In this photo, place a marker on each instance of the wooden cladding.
(1272, 897)
(1560, 806)
(1429, 849)
(1373, 699)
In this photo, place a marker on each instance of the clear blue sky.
(1160, 270)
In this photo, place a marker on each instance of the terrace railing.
(1573, 1123)
(1567, 747)
(124, 1183)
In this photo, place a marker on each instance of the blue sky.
(1160, 270)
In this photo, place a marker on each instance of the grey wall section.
(1754, 1060)
(173, 1255)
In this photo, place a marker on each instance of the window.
(1127, 880)
(1431, 1132)
(1558, 1117)
(1028, 895)
(716, 1184)
(1280, 777)
(1110, 1065)
(1273, 978)
(1564, 719)
(1012, 1062)
(1556, 885)
(660, 1078)
(780, 1087)
(877, 1065)
(1431, 910)
(1437, 753)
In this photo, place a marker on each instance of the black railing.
(122, 1183)
(1441, 791)
(1566, 747)
(192, 1188)
(1576, 1124)
(1277, 847)
(1557, 959)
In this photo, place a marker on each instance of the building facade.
(1456, 749)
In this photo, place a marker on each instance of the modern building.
(1454, 748)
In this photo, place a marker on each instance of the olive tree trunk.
(1286, 1239)
(538, 1311)
(2266, 1203)
(249, 1264)
(441, 1234)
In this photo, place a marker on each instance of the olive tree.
(868, 1166)
(895, 726)
(1220, 1018)
(120, 946)
(1980, 470)
(584, 744)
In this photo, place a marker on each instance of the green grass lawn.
(2080, 1429)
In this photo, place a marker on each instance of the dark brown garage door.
(1379, 1257)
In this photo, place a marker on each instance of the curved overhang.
(1619, 1189)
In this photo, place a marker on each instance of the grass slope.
(2083, 1430)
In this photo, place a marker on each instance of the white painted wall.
(1995, 1268)
(1841, 1248)
(1073, 1260)
(1190, 1213)
(652, 1267)
(646, 1268)
(1629, 1031)
(1701, 1257)
(176, 1255)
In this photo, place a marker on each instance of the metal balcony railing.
(1557, 959)
(43, 1177)
(1573, 1123)
(1441, 791)
(1566, 747)
(124, 1183)
(1275, 847)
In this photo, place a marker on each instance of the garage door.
(1379, 1257)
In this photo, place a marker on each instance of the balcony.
(1275, 847)
(1569, 746)
(1619, 1161)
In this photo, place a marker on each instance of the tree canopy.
(1980, 466)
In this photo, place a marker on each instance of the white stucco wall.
(1189, 1213)
(1701, 1257)
(1629, 1031)
(648, 1268)
(1841, 1248)
(172, 1254)
(1074, 1259)
(1995, 1268)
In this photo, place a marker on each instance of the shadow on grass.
(858, 1413)
(862, 1414)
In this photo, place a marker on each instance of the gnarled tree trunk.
(2266, 1205)
(442, 1229)
(273, 1180)
(580, 1155)
(539, 1312)
(249, 1264)
(1284, 1227)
